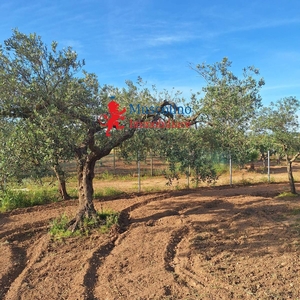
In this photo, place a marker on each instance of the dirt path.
(220, 243)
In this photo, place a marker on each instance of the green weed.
(11, 199)
(154, 189)
(105, 175)
(105, 219)
(265, 179)
(287, 194)
(73, 193)
(109, 217)
(107, 191)
(58, 228)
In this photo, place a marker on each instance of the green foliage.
(187, 149)
(106, 175)
(265, 179)
(109, 217)
(225, 90)
(280, 122)
(49, 109)
(221, 168)
(48, 115)
(107, 191)
(105, 220)
(73, 193)
(58, 228)
(172, 176)
(228, 106)
(287, 194)
(11, 199)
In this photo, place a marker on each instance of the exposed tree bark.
(263, 158)
(291, 177)
(290, 172)
(60, 175)
(86, 172)
(278, 159)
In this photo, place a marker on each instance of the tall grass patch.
(11, 199)
(107, 191)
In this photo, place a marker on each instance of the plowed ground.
(218, 243)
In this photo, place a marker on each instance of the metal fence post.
(139, 172)
(269, 179)
(230, 170)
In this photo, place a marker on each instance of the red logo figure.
(115, 116)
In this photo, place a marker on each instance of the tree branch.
(295, 157)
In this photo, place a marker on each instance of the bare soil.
(205, 243)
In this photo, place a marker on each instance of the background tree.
(280, 122)
(187, 151)
(228, 105)
(261, 142)
(6, 158)
(39, 88)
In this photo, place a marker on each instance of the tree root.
(77, 222)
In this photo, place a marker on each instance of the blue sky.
(157, 40)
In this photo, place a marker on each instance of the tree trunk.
(291, 177)
(85, 169)
(263, 159)
(60, 175)
(278, 159)
(86, 173)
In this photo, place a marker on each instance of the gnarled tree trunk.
(85, 171)
(291, 177)
(290, 172)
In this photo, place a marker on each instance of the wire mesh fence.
(114, 165)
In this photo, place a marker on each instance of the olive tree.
(280, 122)
(228, 105)
(41, 87)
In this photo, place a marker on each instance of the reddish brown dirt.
(218, 243)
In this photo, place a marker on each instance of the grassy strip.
(11, 199)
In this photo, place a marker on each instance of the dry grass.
(244, 177)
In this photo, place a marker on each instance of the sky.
(158, 40)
